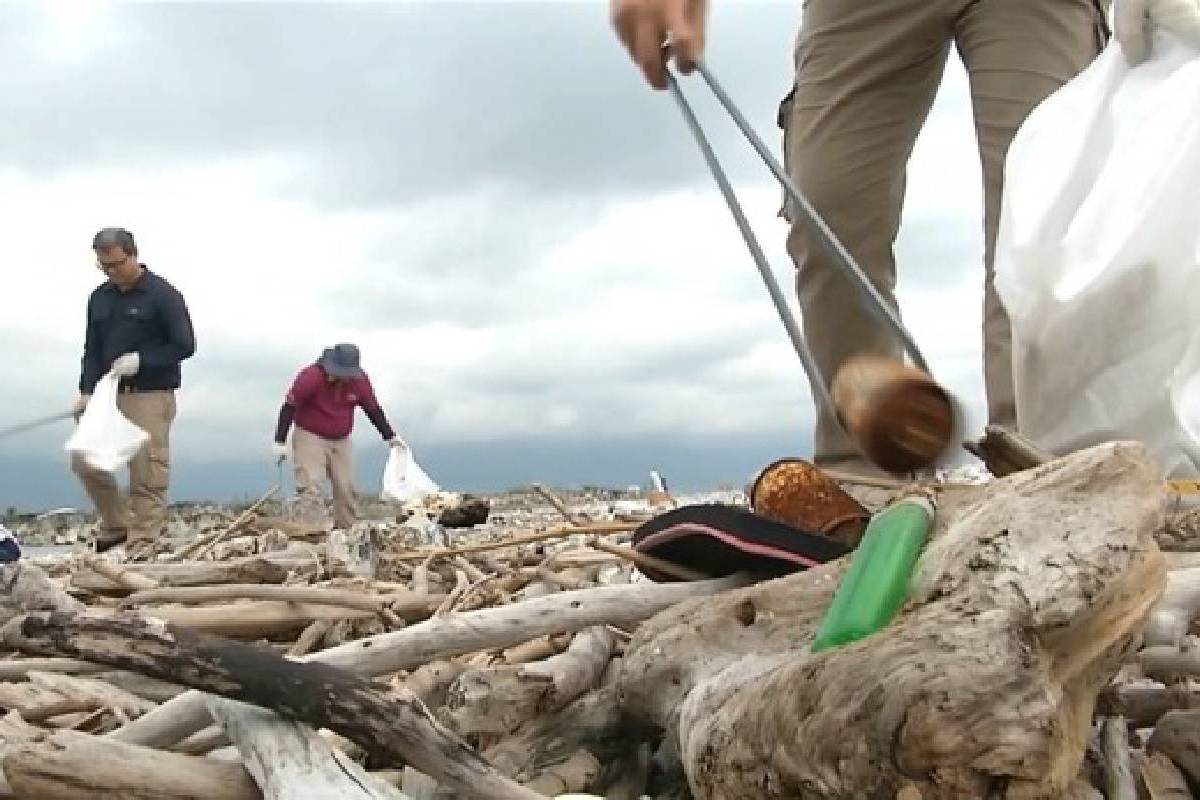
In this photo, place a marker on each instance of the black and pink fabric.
(720, 540)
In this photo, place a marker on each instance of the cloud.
(385, 104)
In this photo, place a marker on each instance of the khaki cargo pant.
(316, 458)
(866, 76)
(144, 513)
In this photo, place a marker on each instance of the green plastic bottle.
(876, 584)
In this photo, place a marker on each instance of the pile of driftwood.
(1045, 653)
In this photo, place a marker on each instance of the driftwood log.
(255, 618)
(1176, 737)
(268, 568)
(320, 595)
(25, 587)
(1162, 779)
(1005, 452)
(455, 635)
(394, 728)
(66, 765)
(1118, 766)
(1030, 592)
(290, 760)
(498, 699)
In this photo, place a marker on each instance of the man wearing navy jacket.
(138, 327)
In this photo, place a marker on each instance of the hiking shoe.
(106, 539)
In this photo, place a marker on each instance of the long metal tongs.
(841, 256)
(37, 423)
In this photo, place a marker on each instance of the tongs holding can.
(932, 418)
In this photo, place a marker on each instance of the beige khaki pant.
(866, 76)
(144, 513)
(316, 458)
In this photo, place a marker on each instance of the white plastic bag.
(104, 437)
(1098, 258)
(403, 479)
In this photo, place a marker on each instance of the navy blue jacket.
(151, 320)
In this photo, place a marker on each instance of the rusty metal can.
(799, 494)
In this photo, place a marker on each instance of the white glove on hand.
(280, 452)
(80, 405)
(1133, 21)
(396, 441)
(127, 365)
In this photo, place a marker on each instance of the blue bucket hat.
(341, 361)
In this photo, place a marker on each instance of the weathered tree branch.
(450, 636)
(498, 699)
(67, 765)
(398, 728)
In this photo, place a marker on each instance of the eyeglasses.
(109, 266)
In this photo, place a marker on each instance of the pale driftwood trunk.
(1162, 779)
(1030, 592)
(255, 618)
(289, 760)
(102, 693)
(405, 603)
(1144, 702)
(14, 731)
(440, 638)
(1005, 452)
(497, 700)
(151, 689)
(519, 622)
(1118, 768)
(272, 568)
(18, 669)
(1170, 663)
(74, 766)
(24, 587)
(397, 728)
(1175, 737)
(125, 578)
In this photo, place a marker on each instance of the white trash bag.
(1098, 258)
(104, 437)
(403, 479)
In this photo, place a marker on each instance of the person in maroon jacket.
(321, 402)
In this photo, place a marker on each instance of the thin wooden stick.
(864, 480)
(309, 637)
(558, 504)
(125, 578)
(199, 549)
(553, 533)
(646, 561)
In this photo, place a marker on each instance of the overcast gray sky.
(521, 237)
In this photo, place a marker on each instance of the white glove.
(396, 441)
(127, 365)
(280, 452)
(80, 405)
(1133, 21)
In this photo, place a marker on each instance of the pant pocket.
(159, 476)
(783, 118)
